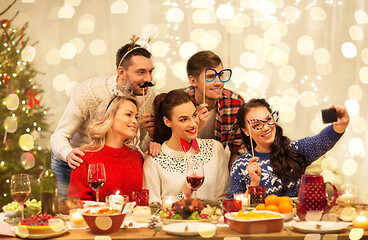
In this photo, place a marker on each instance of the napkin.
(5, 230)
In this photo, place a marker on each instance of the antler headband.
(132, 47)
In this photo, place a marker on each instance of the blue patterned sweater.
(310, 148)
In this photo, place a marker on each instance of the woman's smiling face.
(265, 136)
(184, 121)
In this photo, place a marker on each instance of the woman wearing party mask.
(277, 163)
(112, 132)
(165, 175)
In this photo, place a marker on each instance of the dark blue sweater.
(310, 148)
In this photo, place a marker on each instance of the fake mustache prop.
(144, 85)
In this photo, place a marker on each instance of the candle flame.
(117, 192)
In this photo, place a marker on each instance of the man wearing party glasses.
(134, 77)
(217, 106)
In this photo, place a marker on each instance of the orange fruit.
(287, 199)
(272, 208)
(272, 200)
(285, 207)
(261, 206)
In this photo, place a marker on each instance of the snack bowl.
(256, 225)
(10, 212)
(103, 223)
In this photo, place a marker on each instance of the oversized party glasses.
(224, 75)
(270, 120)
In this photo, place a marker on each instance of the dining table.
(223, 232)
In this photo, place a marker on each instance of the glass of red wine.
(195, 175)
(96, 177)
(20, 189)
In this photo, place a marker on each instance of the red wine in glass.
(20, 189)
(20, 197)
(96, 177)
(96, 184)
(195, 175)
(195, 182)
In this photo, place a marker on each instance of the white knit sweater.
(71, 130)
(165, 175)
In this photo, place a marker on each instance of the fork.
(158, 228)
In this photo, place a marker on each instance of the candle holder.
(76, 219)
(244, 198)
(167, 201)
(141, 214)
(348, 193)
(117, 201)
(360, 219)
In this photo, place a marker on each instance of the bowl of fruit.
(104, 220)
(278, 204)
(31, 207)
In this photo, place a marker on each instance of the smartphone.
(329, 115)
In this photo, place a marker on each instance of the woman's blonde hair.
(102, 121)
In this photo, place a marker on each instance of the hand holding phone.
(329, 115)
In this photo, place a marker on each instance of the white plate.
(289, 216)
(320, 227)
(41, 236)
(187, 229)
(172, 221)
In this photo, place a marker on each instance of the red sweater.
(124, 172)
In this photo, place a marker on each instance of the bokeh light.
(60, 82)
(187, 49)
(324, 69)
(322, 56)
(53, 57)
(10, 124)
(287, 73)
(355, 92)
(70, 88)
(150, 30)
(28, 54)
(159, 49)
(119, 7)
(225, 11)
(68, 51)
(352, 106)
(97, 47)
(201, 17)
(291, 13)
(363, 75)
(175, 15)
(361, 17)
(238, 76)
(160, 70)
(349, 50)
(364, 55)
(179, 70)
(267, 8)
(78, 44)
(249, 41)
(86, 24)
(305, 45)
(12, 101)
(272, 36)
(201, 3)
(74, 3)
(317, 14)
(358, 124)
(308, 98)
(356, 32)
(197, 34)
(26, 142)
(349, 167)
(356, 146)
(66, 11)
(27, 160)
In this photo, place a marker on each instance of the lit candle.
(116, 201)
(244, 198)
(167, 201)
(76, 219)
(141, 214)
(361, 220)
(347, 198)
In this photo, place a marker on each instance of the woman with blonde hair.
(113, 137)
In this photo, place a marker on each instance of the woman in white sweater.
(176, 117)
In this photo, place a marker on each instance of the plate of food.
(190, 210)
(40, 227)
(190, 229)
(320, 227)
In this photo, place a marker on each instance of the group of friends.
(119, 121)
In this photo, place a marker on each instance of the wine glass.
(195, 175)
(96, 177)
(20, 189)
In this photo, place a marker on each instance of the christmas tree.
(22, 116)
